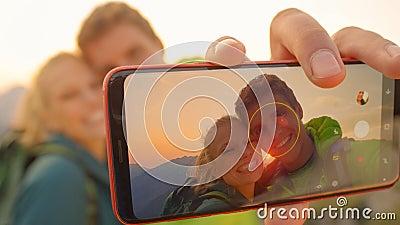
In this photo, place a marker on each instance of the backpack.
(186, 200)
(14, 162)
(13, 159)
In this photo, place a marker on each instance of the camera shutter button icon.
(361, 129)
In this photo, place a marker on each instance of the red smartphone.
(200, 139)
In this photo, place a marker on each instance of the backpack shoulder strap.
(211, 195)
(13, 158)
(176, 201)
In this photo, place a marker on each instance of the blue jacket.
(54, 189)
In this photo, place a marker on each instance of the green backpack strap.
(13, 159)
(90, 185)
(92, 209)
(185, 200)
(211, 195)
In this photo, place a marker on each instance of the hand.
(296, 35)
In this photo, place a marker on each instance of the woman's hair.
(107, 16)
(35, 105)
(209, 152)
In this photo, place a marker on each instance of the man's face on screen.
(287, 127)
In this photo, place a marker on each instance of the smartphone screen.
(202, 140)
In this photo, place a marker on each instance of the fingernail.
(393, 50)
(225, 44)
(324, 64)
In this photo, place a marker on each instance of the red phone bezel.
(191, 65)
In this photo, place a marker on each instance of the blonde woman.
(62, 119)
(238, 183)
(228, 192)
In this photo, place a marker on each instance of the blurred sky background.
(31, 31)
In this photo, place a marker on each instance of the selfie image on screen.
(204, 141)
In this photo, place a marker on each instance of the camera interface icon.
(362, 97)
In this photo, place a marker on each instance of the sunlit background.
(31, 31)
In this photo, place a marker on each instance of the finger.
(296, 35)
(226, 51)
(371, 48)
